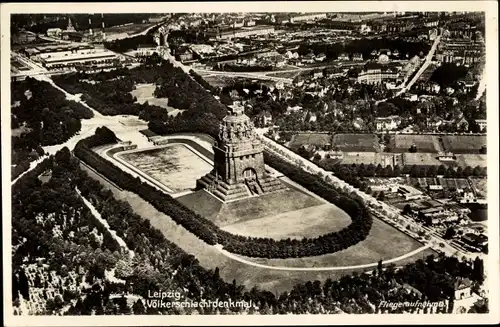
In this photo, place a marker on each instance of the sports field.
(463, 143)
(423, 159)
(175, 166)
(424, 143)
(356, 142)
(472, 160)
(367, 158)
(317, 139)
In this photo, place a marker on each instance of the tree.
(123, 269)
(381, 196)
(407, 209)
(450, 233)
(478, 270)
(138, 307)
(379, 267)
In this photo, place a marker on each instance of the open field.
(308, 222)
(271, 280)
(424, 143)
(128, 28)
(175, 166)
(356, 142)
(144, 93)
(463, 143)
(317, 139)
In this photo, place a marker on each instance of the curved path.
(368, 265)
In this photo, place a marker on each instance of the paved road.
(425, 65)
(368, 265)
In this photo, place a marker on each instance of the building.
(185, 54)
(145, 51)
(409, 193)
(72, 36)
(462, 288)
(357, 57)
(54, 32)
(387, 123)
(266, 119)
(307, 17)
(239, 170)
(343, 57)
(479, 241)
(375, 73)
(72, 58)
(446, 156)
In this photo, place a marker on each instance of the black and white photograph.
(292, 162)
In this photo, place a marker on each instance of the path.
(103, 221)
(368, 265)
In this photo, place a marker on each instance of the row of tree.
(248, 246)
(371, 170)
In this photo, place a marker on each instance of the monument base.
(231, 192)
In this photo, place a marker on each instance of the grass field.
(384, 242)
(356, 142)
(308, 222)
(266, 205)
(463, 143)
(318, 139)
(175, 166)
(271, 280)
(144, 93)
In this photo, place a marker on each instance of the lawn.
(384, 242)
(265, 205)
(175, 166)
(308, 222)
(463, 143)
(144, 93)
(318, 139)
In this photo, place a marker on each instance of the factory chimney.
(103, 28)
(90, 26)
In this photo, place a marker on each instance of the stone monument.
(239, 169)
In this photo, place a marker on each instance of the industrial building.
(71, 58)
